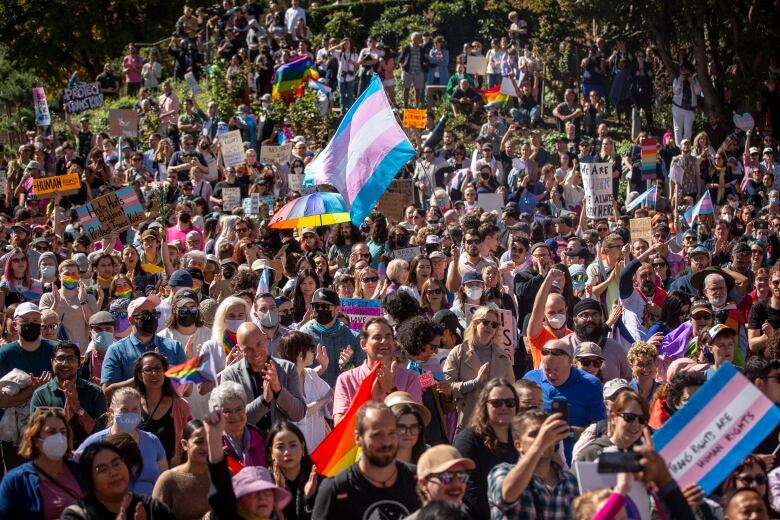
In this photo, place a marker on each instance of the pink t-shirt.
(169, 105)
(133, 76)
(348, 383)
(55, 499)
(175, 233)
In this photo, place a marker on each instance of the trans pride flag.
(290, 79)
(648, 197)
(365, 153)
(703, 207)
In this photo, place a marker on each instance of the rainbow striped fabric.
(229, 341)
(493, 95)
(198, 369)
(290, 79)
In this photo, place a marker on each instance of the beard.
(648, 288)
(592, 333)
(380, 459)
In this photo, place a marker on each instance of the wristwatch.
(83, 303)
(81, 412)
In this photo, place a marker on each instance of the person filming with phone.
(628, 415)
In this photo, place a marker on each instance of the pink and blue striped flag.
(703, 207)
(318, 85)
(365, 153)
(264, 283)
(648, 197)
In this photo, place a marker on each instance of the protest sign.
(716, 429)
(359, 310)
(490, 201)
(111, 213)
(476, 65)
(508, 330)
(649, 158)
(414, 118)
(85, 96)
(251, 204)
(406, 253)
(192, 83)
(42, 116)
(588, 478)
(404, 186)
(744, 122)
(232, 148)
(427, 378)
(231, 199)
(123, 123)
(641, 228)
(294, 181)
(393, 205)
(46, 187)
(507, 87)
(597, 182)
(268, 201)
(276, 154)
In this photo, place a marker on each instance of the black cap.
(579, 251)
(325, 295)
(447, 319)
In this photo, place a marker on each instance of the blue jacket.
(334, 342)
(121, 355)
(20, 492)
(440, 64)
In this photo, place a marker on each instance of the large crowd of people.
(614, 333)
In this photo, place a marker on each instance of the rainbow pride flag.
(290, 79)
(493, 95)
(339, 450)
(198, 369)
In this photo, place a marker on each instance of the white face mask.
(556, 321)
(473, 293)
(55, 446)
(233, 325)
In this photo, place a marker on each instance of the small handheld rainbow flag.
(493, 95)
(229, 340)
(339, 450)
(289, 79)
(703, 207)
(198, 369)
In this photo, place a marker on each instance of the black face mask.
(185, 218)
(286, 319)
(146, 323)
(228, 272)
(401, 240)
(30, 331)
(185, 318)
(323, 317)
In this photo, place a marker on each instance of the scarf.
(128, 293)
(229, 340)
(323, 330)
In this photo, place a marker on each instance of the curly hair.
(416, 332)
(243, 279)
(678, 384)
(639, 349)
(480, 421)
(401, 306)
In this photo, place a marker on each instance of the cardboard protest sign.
(251, 204)
(392, 205)
(359, 310)
(123, 123)
(588, 478)
(490, 201)
(414, 118)
(476, 65)
(641, 228)
(404, 186)
(649, 158)
(192, 83)
(507, 87)
(232, 148)
(294, 181)
(86, 96)
(47, 187)
(276, 154)
(716, 429)
(597, 182)
(231, 199)
(508, 330)
(42, 116)
(268, 201)
(406, 253)
(111, 213)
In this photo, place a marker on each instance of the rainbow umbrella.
(313, 210)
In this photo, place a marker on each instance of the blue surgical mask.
(102, 340)
(48, 271)
(128, 421)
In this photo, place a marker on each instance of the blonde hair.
(116, 398)
(395, 268)
(218, 326)
(589, 503)
(641, 348)
(471, 330)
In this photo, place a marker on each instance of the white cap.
(26, 308)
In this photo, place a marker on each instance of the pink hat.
(257, 478)
(152, 299)
(684, 365)
(667, 135)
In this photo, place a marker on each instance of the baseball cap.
(183, 296)
(22, 226)
(437, 255)
(613, 386)
(26, 308)
(588, 349)
(754, 150)
(257, 478)
(308, 231)
(325, 295)
(537, 246)
(226, 261)
(471, 276)
(579, 251)
(701, 304)
(719, 328)
(180, 278)
(441, 458)
(699, 249)
(102, 318)
(766, 150)
(261, 263)
(82, 261)
(144, 301)
(447, 319)
(33, 165)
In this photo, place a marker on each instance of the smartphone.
(619, 462)
(561, 406)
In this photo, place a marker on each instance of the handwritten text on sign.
(232, 148)
(42, 116)
(359, 310)
(597, 182)
(46, 187)
(111, 213)
(414, 118)
(508, 330)
(85, 96)
(716, 429)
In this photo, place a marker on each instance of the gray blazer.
(288, 404)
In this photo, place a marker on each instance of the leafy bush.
(343, 23)
(397, 23)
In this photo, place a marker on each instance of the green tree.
(16, 86)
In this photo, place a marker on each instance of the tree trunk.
(696, 18)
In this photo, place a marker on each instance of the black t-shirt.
(217, 193)
(761, 312)
(359, 498)
(106, 80)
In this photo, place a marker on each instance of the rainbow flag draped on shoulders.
(198, 369)
(493, 95)
(339, 450)
(291, 78)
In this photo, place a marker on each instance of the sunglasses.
(370, 279)
(753, 480)
(702, 316)
(660, 264)
(119, 314)
(472, 242)
(553, 352)
(433, 291)
(631, 417)
(588, 362)
(448, 477)
(510, 402)
(490, 323)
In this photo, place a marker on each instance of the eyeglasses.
(509, 402)
(105, 469)
(66, 359)
(370, 279)
(153, 370)
(50, 326)
(631, 417)
(659, 264)
(702, 316)
(753, 480)
(472, 242)
(409, 429)
(490, 323)
(590, 362)
(433, 291)
(448, 477)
